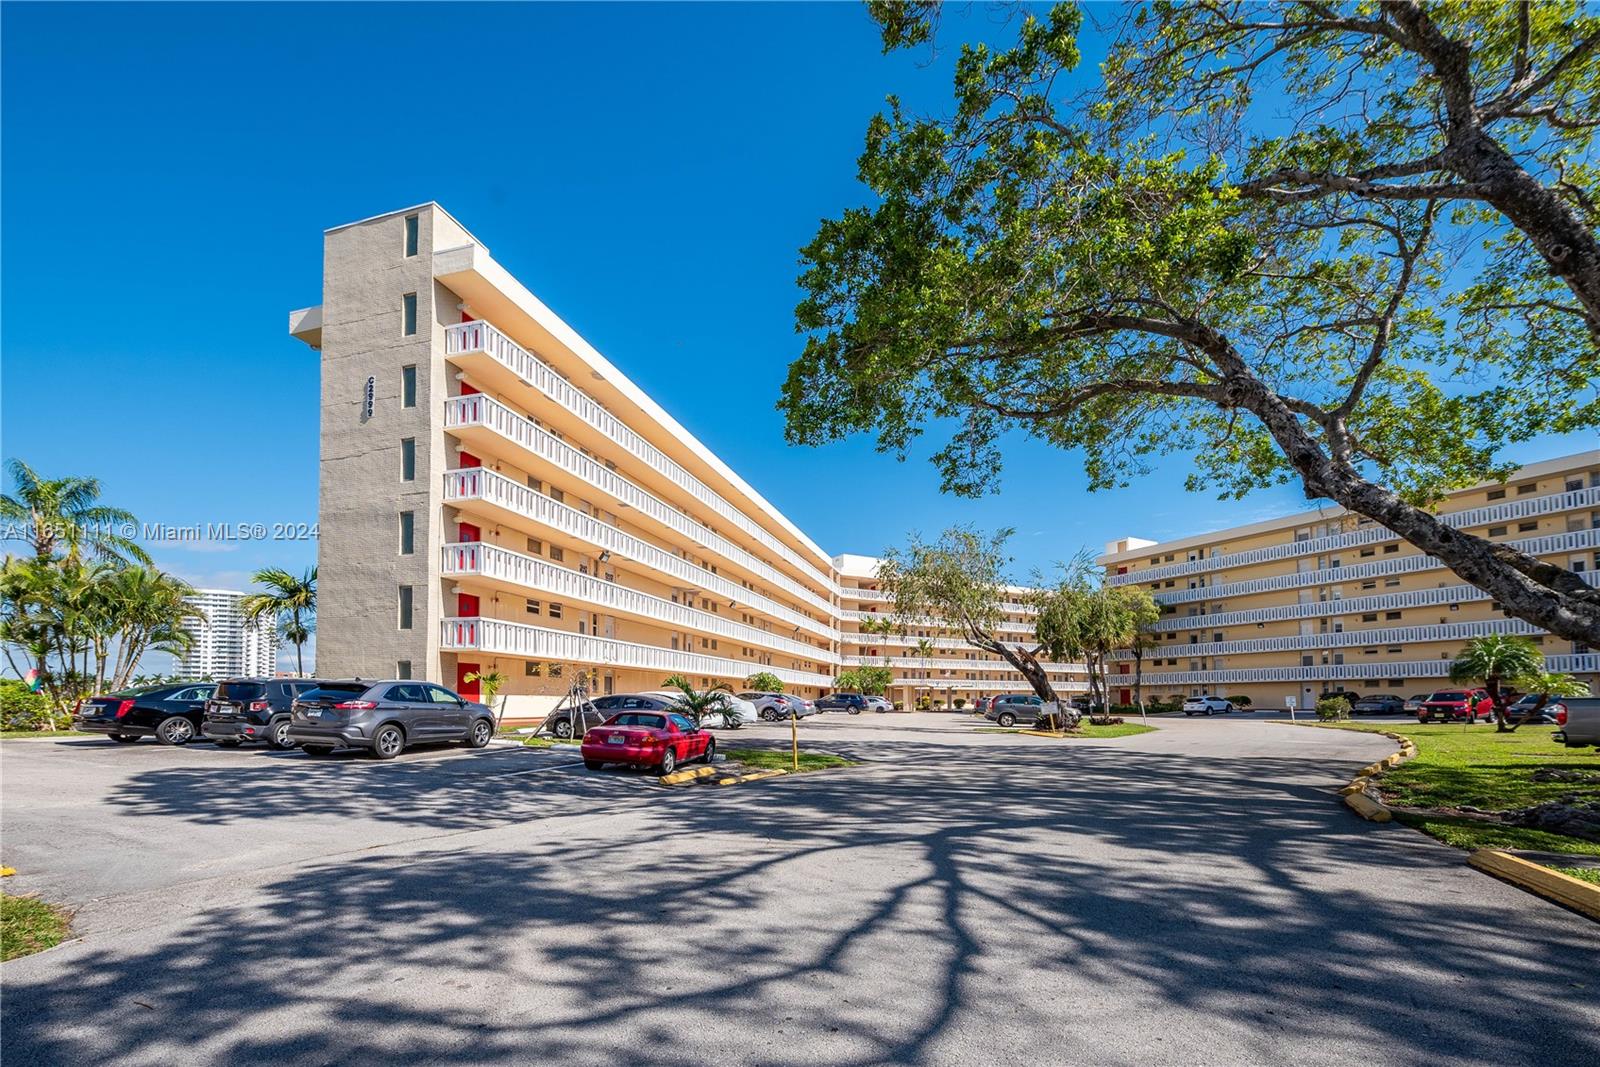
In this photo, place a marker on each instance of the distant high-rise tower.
(226, 644)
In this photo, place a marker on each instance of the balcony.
(1507, 511)
(928, 621)
(516, 503)
(1551, 544)
(529, 573)
(1411, 598)
(917, 663)
(1588, 663)
(467, 340)
(499, 638)
(1392, 635)
(473, 416)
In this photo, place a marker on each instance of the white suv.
(1206, 706)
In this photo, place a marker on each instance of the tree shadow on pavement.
(1088, 905)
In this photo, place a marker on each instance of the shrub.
(961, 702)
(923, 703)
(24, 710)
(1333, 709)
(1241, 702)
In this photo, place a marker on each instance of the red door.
(468, 390)
(467, 531)
(466, 605)
(464, 687)
(1124, 696)
(469, 460)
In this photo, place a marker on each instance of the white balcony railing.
(879, 596)
(470, 337)
(1570, 541)
(1505, 511)
(915, 662)
(530, 572)
(1588, 663)
(475, 409)
(498, 637)
(877, 616)
(478, 483)
(1390, 635)
(1410, 598)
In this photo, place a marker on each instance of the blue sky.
(649, 171)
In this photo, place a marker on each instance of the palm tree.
(697, 703)
(64, 511)
(1493, 660)
(290, 602)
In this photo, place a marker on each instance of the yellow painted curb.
(1562, 888)
(7, 872)
(755, 776)
(1043, 733)
(1367, 808)
(679, 777)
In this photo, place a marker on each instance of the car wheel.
(482, 733)
(766, 715)
(1187, 714)
(388, 742)
(175, 730)
(711, 750)
(125, 739)
(562, 728)
(316, 750)
(1005, 718)
(593, 764)
(669, 762)
(278, 735)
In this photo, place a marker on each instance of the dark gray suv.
(385, 717)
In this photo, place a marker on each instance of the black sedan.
(1385, 704)
(172, 714)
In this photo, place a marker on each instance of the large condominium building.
(1325, 600)
(225, 643)
(497, 496)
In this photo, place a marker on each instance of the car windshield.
(634, 718)
(1449, 695)
(335, 691)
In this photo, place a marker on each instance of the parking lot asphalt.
(1195, 895)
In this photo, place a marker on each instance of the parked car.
(253, 709)
(385, 717)
(575, 722)
(854, 703)
(1333, 694)
(1380, 704)
(744, 711)
(1549, 714)
(170, 713)
(1414, 702)
(774, 706)
(1207, 705)
(1008, 708)
(981, 705)
(1459, 705)
(1579, 722)
(879, 704)
(657, 739)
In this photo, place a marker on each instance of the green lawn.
(1088, 729)
(29, 925)
(550, 742)
(1583, 874)
(6, 735)
(1478, 767)
(782, 760)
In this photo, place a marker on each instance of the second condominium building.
(496, 496)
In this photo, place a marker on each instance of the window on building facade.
(408, 459)
(1526, 488)
(1527, 527)
(1497, 531)
(556, 553)
(1497, 494)
(1388, 549)
(402, 669)
(411, 247)
(555, 611)
(405, 607)
(408, 315)
(533, 607)
(408, 532)
(408, 386)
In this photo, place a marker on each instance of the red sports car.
(647, 739)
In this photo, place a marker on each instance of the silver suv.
(385, 717)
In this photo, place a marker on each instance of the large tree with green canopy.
(1369, 283)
